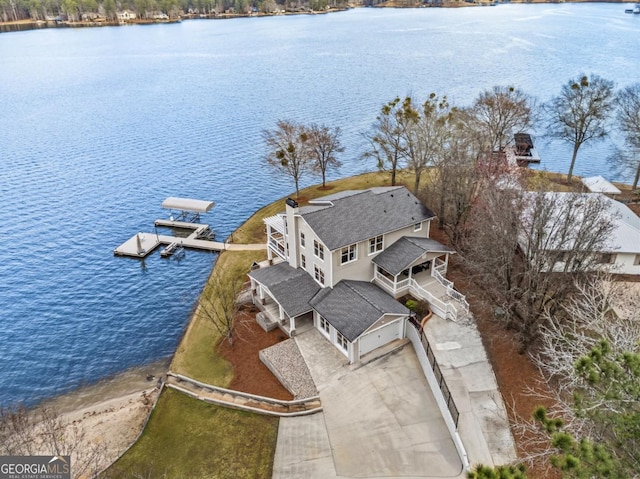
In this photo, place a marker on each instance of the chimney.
(292, 236)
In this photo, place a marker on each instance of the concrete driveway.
(380, 420)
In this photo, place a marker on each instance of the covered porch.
(282, 295)
(418, 266)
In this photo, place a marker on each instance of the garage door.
(380, 337)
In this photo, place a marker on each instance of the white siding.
(362, 269)
(625, 264)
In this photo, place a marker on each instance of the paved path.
(483, 425)
(378, 420)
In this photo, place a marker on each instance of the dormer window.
(349, 254)
(376, 244)
(417, 227)
(318, 250)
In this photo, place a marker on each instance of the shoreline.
(132, 380)
(30, 24)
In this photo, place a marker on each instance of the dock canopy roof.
(187, 204)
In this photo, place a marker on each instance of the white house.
(621, 252)
(125, 15)
(342, 260)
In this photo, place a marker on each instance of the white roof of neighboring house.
(625, 236)
(597, 184)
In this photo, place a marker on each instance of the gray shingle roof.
(291, 287)
(397, 257)
(353, 306)
(365, 214)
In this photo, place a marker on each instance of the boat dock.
(187, 217)
(201, 238)
(143, 244)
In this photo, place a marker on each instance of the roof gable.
(353, 306)
(292, 288)
(358, 216)
(401, 254)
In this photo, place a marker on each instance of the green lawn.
(196, 355)
(187, 438)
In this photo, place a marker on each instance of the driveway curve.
(379, 420)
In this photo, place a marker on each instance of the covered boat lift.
(189, 209)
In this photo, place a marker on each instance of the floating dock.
(143, 244)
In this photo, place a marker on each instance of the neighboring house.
(126, 15)
(621, 253)
(341, 262)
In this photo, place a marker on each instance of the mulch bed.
(250, 375)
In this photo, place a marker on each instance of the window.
(319, 275)
(636, 261)
(318, 249)
(349, 254)
(417, 227)
(324, 325)
(342, 341)
(607, 258)
(301, 239)
(375, 244)
(303, 261)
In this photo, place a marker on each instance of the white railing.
(440, 266)
(451, 291)
(277, 247)
(445, 309)
(441, 279)
(448, 310)
(392, 287)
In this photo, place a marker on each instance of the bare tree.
(427, 130)
(579, 114)
(455, 176)
(219, 302)
(324, 143)
(527, 247)
(387, 139)
(287, 149)
(599, 309)
(628, 105)
(499, 113)
(43, 431)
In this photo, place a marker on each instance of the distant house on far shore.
(126, 15)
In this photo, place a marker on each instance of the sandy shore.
(108, 416)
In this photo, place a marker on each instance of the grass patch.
(253, 230)
(187, 438)
(196, 355)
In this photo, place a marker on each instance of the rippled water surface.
(98, 126)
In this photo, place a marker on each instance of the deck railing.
(451, 291)
(448, 310)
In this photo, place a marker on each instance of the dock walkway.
(143, 244)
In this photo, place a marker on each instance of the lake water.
(98, 126)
